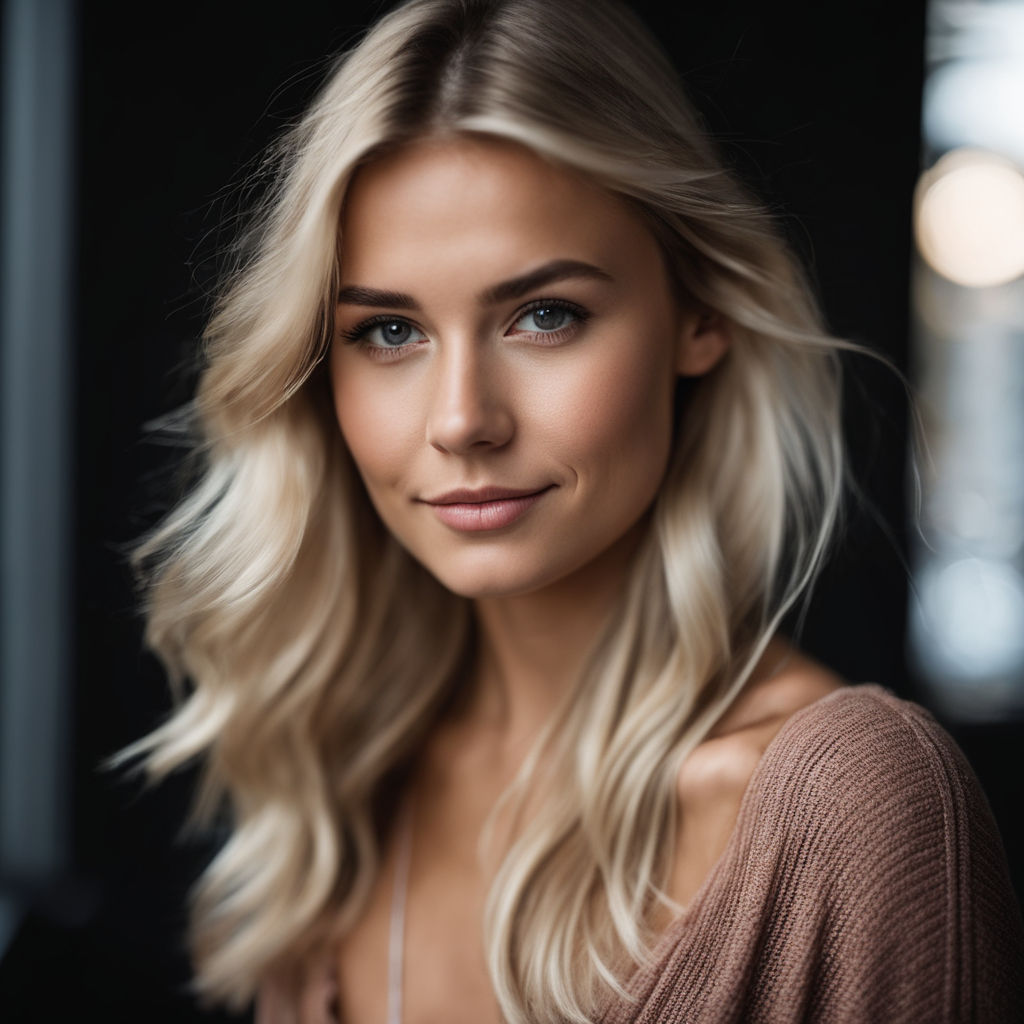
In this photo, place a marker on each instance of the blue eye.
(549, 317)
(391, 333)
(388, 336)
(385, 333)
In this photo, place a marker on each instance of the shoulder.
(866, 747)
(786, 683)
(890, 802)
(714, 778)
(868, 805)
(853, 773)
(866, 860)
(880, 769)
(798, 727)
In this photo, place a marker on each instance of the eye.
(384, 333)
(549, 316)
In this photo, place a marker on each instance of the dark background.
(816, 105)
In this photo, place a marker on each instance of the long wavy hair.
(311, 655)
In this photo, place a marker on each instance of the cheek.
(377, 427)
(617, 415)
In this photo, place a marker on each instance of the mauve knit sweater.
(865, 881)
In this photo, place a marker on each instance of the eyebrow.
(505, 291)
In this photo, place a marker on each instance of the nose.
(471, 407)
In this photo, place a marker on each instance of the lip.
(487, 508)
(470, 496)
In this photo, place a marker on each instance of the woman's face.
(507, 344)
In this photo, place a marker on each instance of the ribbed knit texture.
(865, 881)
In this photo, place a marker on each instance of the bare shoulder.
(714, 777)
(785, 682)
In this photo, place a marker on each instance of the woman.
(518, 436)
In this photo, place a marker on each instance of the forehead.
(489, 205)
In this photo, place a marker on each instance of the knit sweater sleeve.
(920, 920)
(865, 881)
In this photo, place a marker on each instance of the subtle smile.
(489, 508)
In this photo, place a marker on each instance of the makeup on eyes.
(360, 333)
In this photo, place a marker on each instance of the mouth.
(482, 495)
(487, 508)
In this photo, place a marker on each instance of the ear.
(703, 340)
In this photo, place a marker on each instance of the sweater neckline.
(675, 930)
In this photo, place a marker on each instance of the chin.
(500, 577)
(478, 586)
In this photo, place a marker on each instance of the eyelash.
(357, 335)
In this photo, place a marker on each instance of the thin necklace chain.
(396, 934)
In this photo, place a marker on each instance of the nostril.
(468, 413)
(465, 426)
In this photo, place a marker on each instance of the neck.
(532, 647)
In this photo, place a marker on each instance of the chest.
(440, 925)
(425, 949)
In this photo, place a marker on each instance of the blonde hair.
(312, 655)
